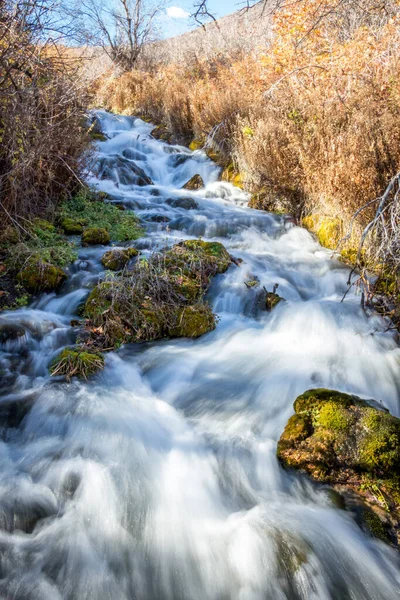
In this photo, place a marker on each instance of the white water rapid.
(158, 479)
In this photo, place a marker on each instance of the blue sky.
(177, 14)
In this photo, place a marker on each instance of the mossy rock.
(77, 362)
(117, 259)
(161, 132)
(272, 300)
(327, 229)
(195, 183)
(72, 226)
(196, 145)
(193, 321)
(234, 177)
(94, 236)
(98, 301)
(37, 276)
(339, 438)
(215, 252)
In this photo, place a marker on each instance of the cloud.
(176, 12)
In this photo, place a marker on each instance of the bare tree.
(121, 27)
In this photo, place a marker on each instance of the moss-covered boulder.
(232, 176)
(37, 276)
(71, 226)
(94, 236)
(160, 297)
(343, 440)
(193, 321)
(117, 259)
(195, 183)
(272, 300)
(77, 362)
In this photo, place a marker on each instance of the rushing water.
(158, 479)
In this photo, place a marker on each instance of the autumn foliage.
(314, 118)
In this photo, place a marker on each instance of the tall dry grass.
(42, 126)
(314, 119)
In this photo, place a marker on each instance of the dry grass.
(314, 120)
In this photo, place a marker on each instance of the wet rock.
(94, 236)
(133, 154)
(10, 331)
(157, 218)
(272, 299)
(116, 260)
(193, 321)
(195, 183)
(185, 203)
(161, 132)
(176, 160)
(123, 171)
(37, 276)
(343, 440)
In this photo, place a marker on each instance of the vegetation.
(159, 297)
(77, 362)
(116, 260)
(310, 121)
(42, 123)
(343, 440)
(88, 211)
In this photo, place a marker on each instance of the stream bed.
(158, 478)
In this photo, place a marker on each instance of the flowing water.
(158, 479)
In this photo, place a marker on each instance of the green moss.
(195, 183)
(380, 445)
(298, 428)
(313, 399)
(196, 145)
(78, 362)
(71, 226)
(97, 137)
(37, 276)
(272, 300)
(232, 176)
(374, 525)
(117, 259)
(89, 210)
(333, 416)
(327, 229)
(214, 251)
(193, 321)
(99, 300)
(95, 235)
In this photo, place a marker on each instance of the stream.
(158, 478)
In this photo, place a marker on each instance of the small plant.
(77, 362)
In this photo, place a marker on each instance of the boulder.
(10, 331)
(354, 444)
(94, 236)
(195, 183)
(185, 203)
(38, 276)
(117, 259)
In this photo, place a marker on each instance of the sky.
(177, 15)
